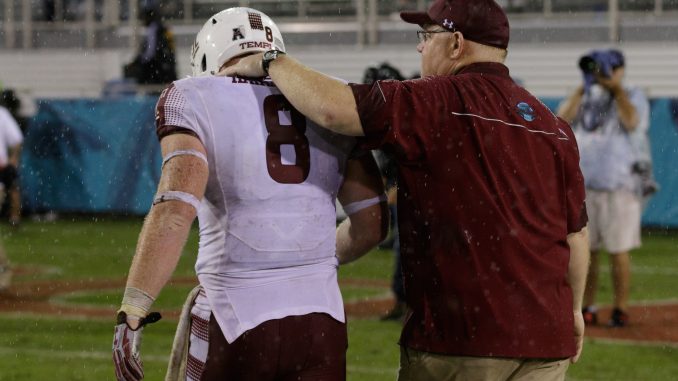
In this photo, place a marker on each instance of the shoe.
(590, 315)
(396, 313)
(5, 277)
(619, 319)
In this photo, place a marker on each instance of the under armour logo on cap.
(481, 21)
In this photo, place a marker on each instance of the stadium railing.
(114, 23)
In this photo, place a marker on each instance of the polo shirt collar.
(493, 68)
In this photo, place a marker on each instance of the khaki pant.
(424, 366)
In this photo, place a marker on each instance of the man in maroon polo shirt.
(490, 201)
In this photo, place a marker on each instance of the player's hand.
(126, 343)
(248, 66)
(578, 335)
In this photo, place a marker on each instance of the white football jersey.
(10, 135)
(267, 221)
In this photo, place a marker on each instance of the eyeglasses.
(425, 35)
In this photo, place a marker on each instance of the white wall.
(546, 70)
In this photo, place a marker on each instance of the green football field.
(38, 347)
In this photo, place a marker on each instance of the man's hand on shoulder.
(248, 66)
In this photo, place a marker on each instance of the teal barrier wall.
(102, 156)
(97, 156)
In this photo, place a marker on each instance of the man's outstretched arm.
(323, 99)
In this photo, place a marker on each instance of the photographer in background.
(609, 120)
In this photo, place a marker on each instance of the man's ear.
(457, 45)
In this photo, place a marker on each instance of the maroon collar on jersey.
(493, 68)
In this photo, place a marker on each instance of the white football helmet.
(231, 33)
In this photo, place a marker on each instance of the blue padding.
(662, 209)
(102, 156)
(91, 156)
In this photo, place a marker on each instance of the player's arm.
(323, 99)
(166, 228)
(362, 196)
(577, 270)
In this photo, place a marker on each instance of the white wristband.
(177, 196)
(136, 302)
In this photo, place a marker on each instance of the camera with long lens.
(600, 63)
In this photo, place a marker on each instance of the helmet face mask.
(232, 33)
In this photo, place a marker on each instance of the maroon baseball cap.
(481, 21)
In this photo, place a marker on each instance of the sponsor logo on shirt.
(526, 111)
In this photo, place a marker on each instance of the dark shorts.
(301, 348)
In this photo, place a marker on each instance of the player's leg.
(313, 348)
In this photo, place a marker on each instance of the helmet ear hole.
(203, 64)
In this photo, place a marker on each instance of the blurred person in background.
(10, 148)
(155, 63)
(490, 198)
(389, 173)
(263, 181)
(611, 120)
(13, 139)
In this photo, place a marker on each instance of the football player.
(263, 181)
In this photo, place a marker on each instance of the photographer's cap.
(617, 58)
(481, 21)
